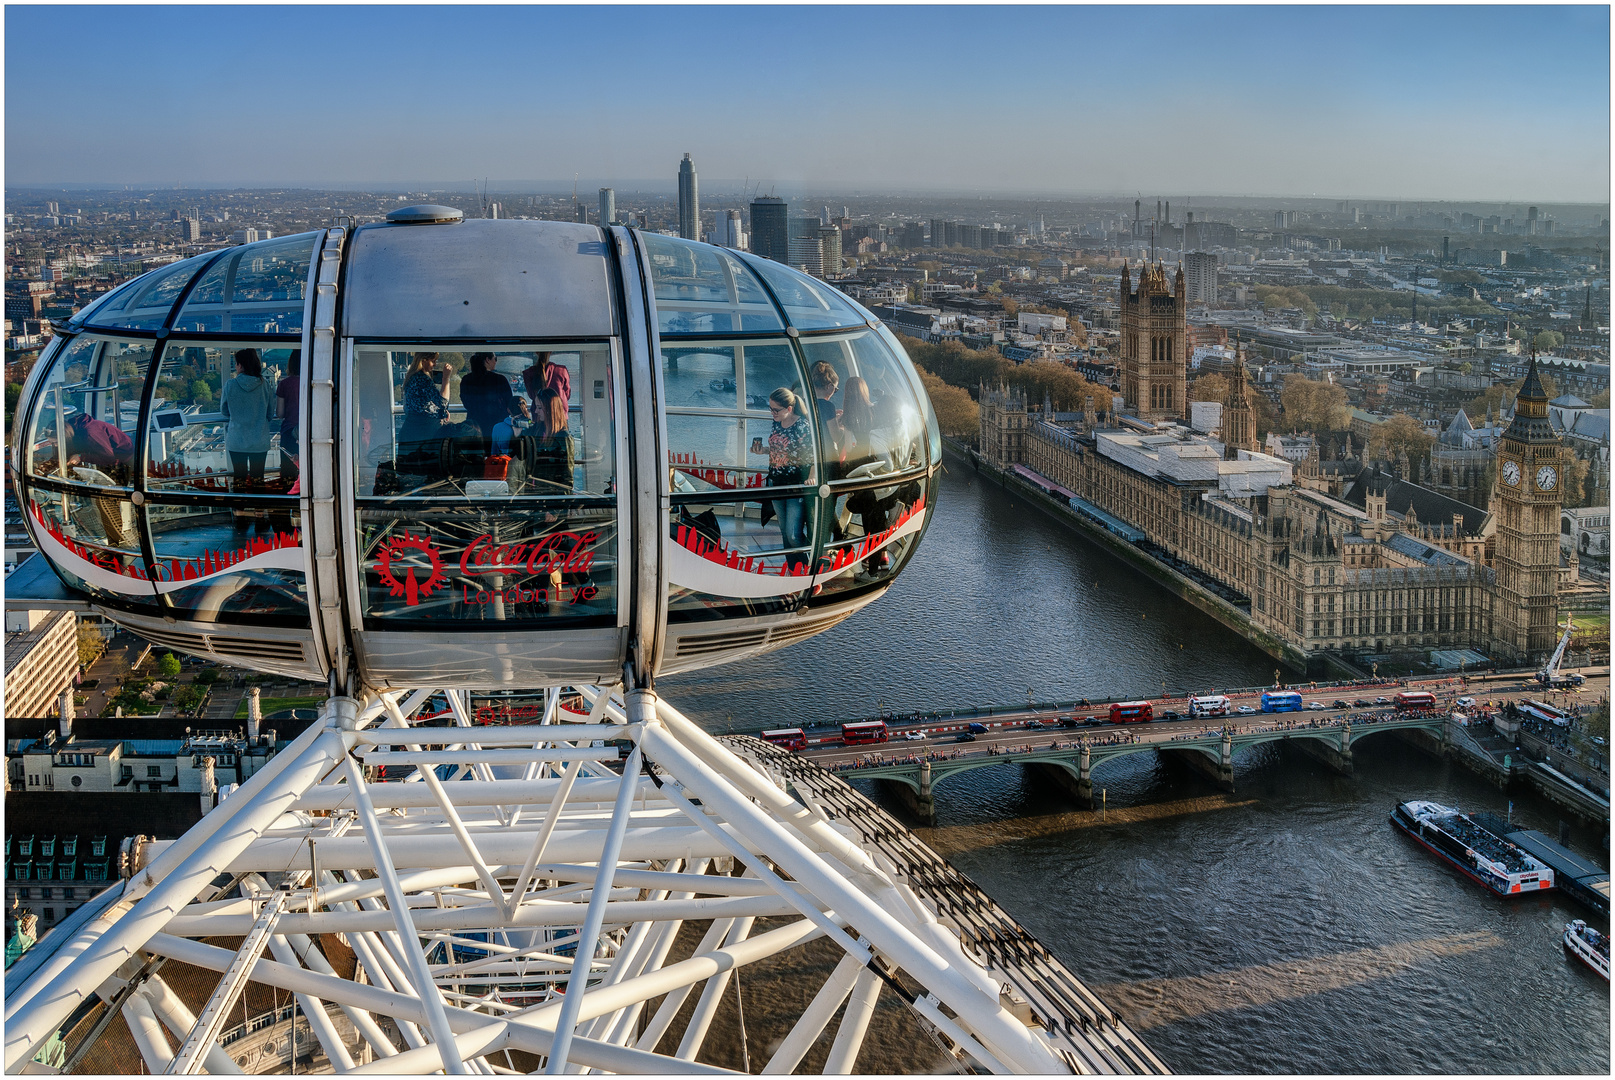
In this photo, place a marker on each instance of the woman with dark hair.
(247, 409)
(858, 421)
(485, 393)
(554, 456)
(286, 407)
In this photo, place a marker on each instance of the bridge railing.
(970, 713)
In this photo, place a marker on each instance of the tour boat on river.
(1588, 946)
(1479, 854)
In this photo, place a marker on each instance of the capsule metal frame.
(696, 575)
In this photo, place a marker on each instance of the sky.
(1461, 103)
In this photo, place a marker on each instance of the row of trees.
(949, 369)
(1367, 304)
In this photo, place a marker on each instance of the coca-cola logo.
(568, 552)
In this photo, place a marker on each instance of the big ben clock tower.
(1530, 469)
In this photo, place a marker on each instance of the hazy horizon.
(1425, 104)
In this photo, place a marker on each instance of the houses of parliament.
(1343, 557)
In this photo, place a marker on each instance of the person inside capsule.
(507, 520)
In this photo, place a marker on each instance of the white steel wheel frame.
(493, 875)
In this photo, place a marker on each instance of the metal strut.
(190, 1057)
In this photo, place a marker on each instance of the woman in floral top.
(426, 403)
(790, 461)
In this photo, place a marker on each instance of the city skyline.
(1227, 96)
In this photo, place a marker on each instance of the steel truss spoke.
(506, 890)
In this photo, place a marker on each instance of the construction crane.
(1549, 675)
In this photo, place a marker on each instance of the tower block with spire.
(1154, 342)
(1239, 415)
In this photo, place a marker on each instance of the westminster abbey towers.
(1155, 357)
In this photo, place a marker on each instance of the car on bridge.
(1245, 710)
(1382, 700)
(1171, 714)
(964, 736)
(1316, 706)
(1363, 703)
(1035, 725)
(976, 729)
(1466, 703)
(912, 736)
(1071, 722)
(1340, 704)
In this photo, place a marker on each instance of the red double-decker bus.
(791, 738)
(1131, 712)
(863, 732)
(1415, 699)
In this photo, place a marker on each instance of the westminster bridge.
(1069, 757)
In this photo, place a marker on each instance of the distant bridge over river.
(1070, 757)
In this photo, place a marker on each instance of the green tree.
(208, 676)
(1494, 396)
(1401, 433)
(186, 698)
(91, 644)
(1310, 405)
(1210, 387)
(201, 392)
(956, 413)
(1548, 340)
(168, 666)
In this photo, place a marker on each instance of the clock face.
(1511, 473)
(1546, 478)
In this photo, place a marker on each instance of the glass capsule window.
(808, 304)
(87, 409)
(705, 290)
(146, 302)
(253, 289)
(486, 484)
(224, 419)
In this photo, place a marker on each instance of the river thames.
(1286, 927)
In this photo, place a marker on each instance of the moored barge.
(1480, 855)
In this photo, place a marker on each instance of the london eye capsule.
(490, 453)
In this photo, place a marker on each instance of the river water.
(1286, 927)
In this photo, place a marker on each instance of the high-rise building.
(829, 237)
(689, 201)
(805, 252)
(494, 210)
(1530, 474)
(770, 235)
(729, 232)
(608, 206)
(1200, 271)
(190, 230)
(1154, 342)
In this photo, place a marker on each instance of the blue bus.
(1281, 701)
